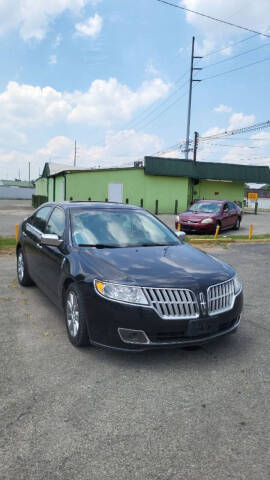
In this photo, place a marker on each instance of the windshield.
(116, 228)
(205, 207)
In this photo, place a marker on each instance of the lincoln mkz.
(124, 280)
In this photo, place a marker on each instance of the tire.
(237, 224)
(75, 316)
(24, 278)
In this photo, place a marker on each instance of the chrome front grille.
(172, 303)
(220, 297)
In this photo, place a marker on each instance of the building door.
(62, 190)
(115, 192)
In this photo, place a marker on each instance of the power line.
(144, 115)
(236, 69)
(165, 110)
(213, 18)
(238, 131)
(230, 45)
(236, 56)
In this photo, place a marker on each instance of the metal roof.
(56, 168)
(176, 167)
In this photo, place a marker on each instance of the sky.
(113, 75)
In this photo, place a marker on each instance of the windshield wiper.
(98, 245)
(156, 244)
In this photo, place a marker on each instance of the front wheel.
(76, 318)
(24, 278)
(237, 224)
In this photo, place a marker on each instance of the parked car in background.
(124, 280)
(205, 215)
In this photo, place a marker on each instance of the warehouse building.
(162, 185)
(16, 189)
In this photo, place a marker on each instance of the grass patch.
(7, 242)
(229, 238)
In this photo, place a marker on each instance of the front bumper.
(197, 227)
(107, 318)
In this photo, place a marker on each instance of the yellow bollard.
(179, 227)
(217, 232)
(250, 231)
(17, 232)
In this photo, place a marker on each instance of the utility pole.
(29, 171)
(75, 154)
(191, 80)
(196, 138)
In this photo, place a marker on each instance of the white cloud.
(26, 105)
(52, 60)
(58, 40)
(120, 149)
(33, 17)
(150, 68)
(103, 104)
(91, 27)
(239, 120)
(255, 15)
(109, 101)
(223, 109)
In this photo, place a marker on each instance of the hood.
(188, 215)
(173, 266)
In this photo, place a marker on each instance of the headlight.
(207, 220)
(237, 284)
(121, 293)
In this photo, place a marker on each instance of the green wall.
(136, 185)
(207, 189)
(41, 186)
(50, 189)
(59, 188)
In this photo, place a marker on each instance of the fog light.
(133, 336)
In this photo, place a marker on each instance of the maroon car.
(205, 215)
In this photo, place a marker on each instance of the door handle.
(39, 246)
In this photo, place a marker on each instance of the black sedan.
(123, 279)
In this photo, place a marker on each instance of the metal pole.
(75, 154)
(189, 98)
(196, 136)
(29, 170)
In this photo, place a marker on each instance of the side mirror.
(50, 240)
(180, 235)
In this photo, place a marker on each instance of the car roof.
(92, 205)
(212, 201)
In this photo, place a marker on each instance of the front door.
(51, 258)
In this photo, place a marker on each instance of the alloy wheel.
(73, 314)
(20, 266)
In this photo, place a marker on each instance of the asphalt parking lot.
(159, 415)
(12, 212)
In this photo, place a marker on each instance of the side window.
(39, 218)
(56, 223)
(231, 206)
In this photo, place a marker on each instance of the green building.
(163, 184)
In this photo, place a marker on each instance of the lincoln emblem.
(203, 303)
